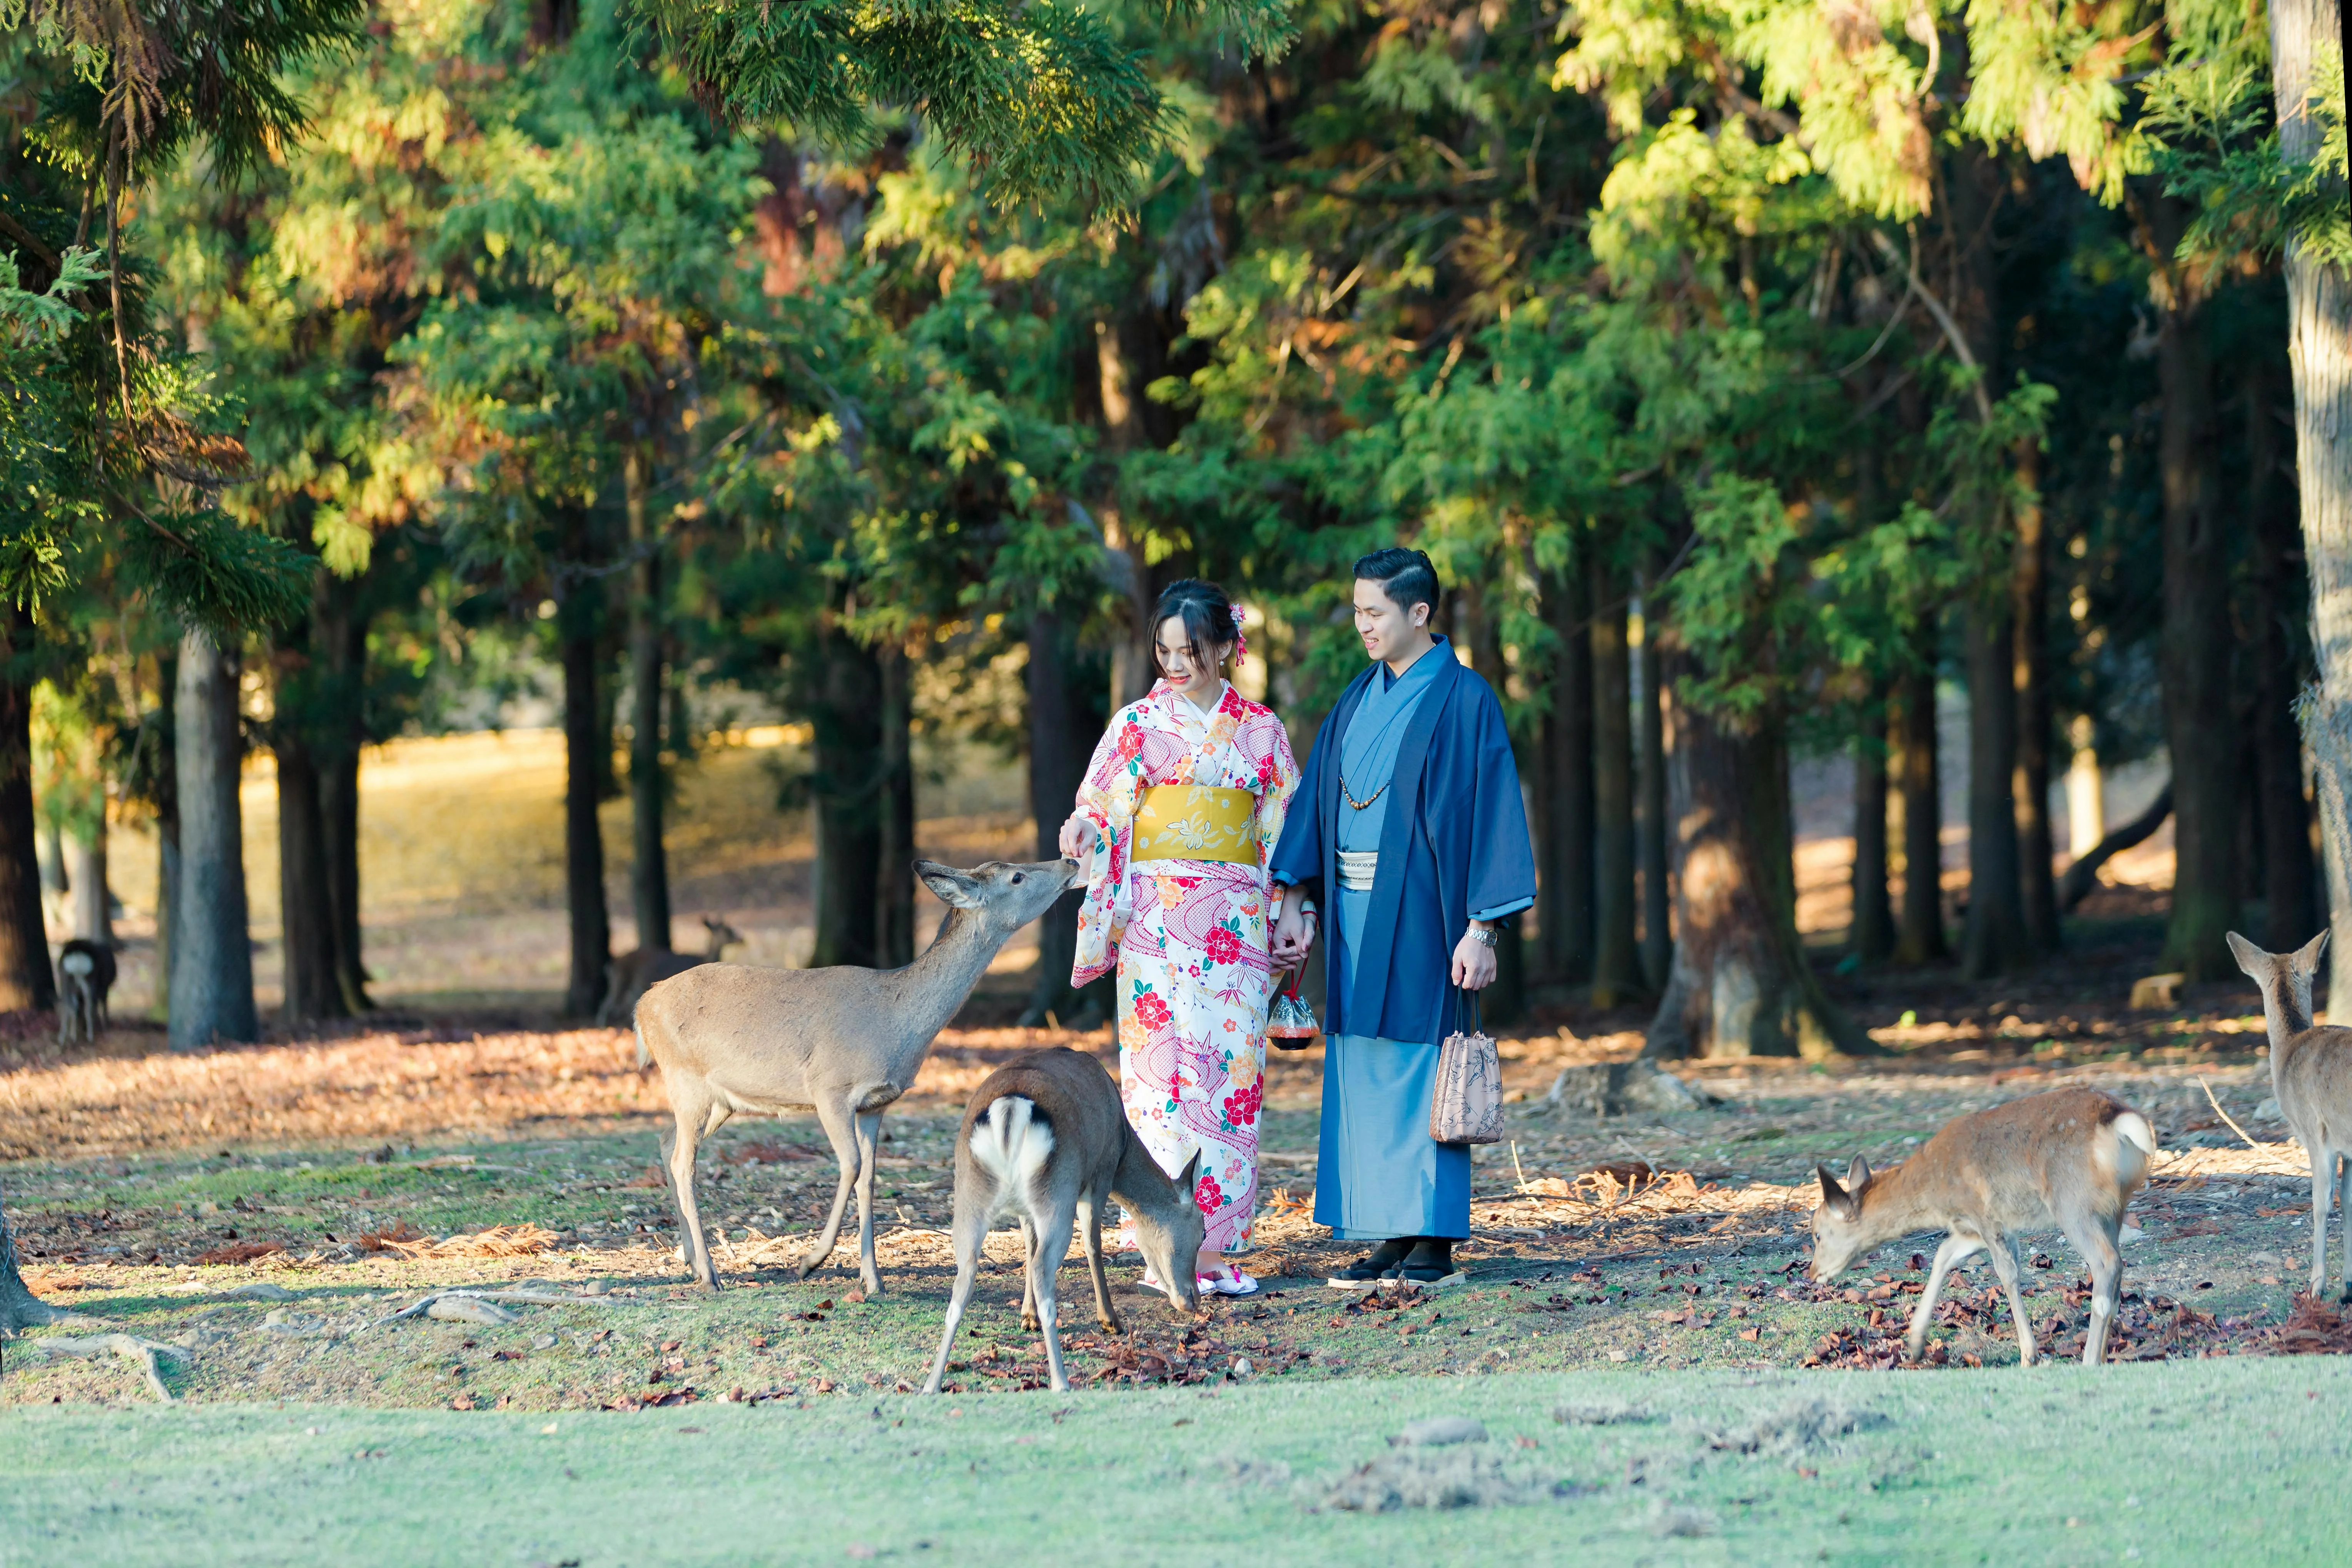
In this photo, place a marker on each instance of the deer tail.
(1012, 1143)
(644, 1055)
(2132, 1151)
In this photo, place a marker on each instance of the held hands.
(1474, 962)
(1078, 836)
(1293, 934)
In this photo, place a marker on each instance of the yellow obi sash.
(1196, 822)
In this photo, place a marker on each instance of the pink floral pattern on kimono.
(1189, 941)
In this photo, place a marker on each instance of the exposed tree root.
(127, 1346)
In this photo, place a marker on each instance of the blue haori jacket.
(1457, 825)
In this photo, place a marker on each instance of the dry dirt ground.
(266, 1211)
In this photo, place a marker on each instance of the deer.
(1044, 1136)
(2069, 1160)
(2311, 1079)
(628, 976)
(844, 1041)
(85, 974)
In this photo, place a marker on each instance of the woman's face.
(1172, 645)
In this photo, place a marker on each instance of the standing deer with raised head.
(844, 1041)
(2069, 1161)
(2311, 1079)
(627, 976)
(1045, 1137)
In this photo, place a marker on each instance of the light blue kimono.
(1379, 1173)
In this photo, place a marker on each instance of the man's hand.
(1078, 836)
(1474, 962)
(1293, 934)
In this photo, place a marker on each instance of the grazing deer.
(85, 974)
(2311, 1077)
(2069, 1160)
(844, 1040)
(628, 976)
(1045, 1137)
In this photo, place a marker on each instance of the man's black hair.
(1406, 576)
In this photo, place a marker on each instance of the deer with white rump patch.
(2311, 1079)
(2068, 1160)
(1045, 1137)
(845, 1041)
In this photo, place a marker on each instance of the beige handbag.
(1466, 1104)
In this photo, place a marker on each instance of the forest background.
(1747, 369)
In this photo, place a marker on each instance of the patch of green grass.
(2235, 1460)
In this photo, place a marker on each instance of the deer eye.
(1019, 877)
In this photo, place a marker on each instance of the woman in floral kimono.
(1181, 807)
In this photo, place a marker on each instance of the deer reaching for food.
(2311, 1079)
(2069, 1160)
(628, 976)
(1045, 1137)
(844, 1041)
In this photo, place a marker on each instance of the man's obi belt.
(1196, 822)
(1357, 867)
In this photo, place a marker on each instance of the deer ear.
(958, 890)
(2306, 960)
(1832, 1194)
(1190, 1177)
(1857, 1177)
(2252, 958)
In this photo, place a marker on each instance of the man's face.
(1386, 627)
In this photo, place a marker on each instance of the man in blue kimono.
(1410, 823)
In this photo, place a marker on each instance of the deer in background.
(2311, 1079)
(628, 976)
(844, 1041)
(1045, 1137)
(2069, 1161)
(85, 974)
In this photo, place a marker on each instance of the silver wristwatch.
(1489, 936)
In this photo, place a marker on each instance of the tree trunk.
(1060, 742)
(2290, 892)
(313, 988)
(165, 774)
(847, 798)
(894, 928)
(1993, 940)
(341, 638)
(2030, 611)
(1616, 962)
(93, 915)
(1564, 813)
(1739, 984)
(2319, 340)
(1650, 813)
(1870, 934)
(648, 863)
(212, 970)
(19, 1308)
(26, 978)
(587, 748)
(1918, 776)
(2197, 641)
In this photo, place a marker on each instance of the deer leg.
(970, 1230)
(1090, 1216)
(1956, 1246)
(868, 1128)
(2343, 1164)
(1028, 1274)
(838, 1122)
(2094, 1239)
(2323, 1185)
(1044, 1263)
(690, 1107)
(2002, 1249)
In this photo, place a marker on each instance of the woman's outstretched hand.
(1078, 836)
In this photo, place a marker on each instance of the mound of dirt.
(1807, 1426)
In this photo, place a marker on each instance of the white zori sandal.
(1227, 1281)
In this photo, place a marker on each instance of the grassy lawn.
(2235, 1460)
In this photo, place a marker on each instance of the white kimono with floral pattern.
(1189, 941)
